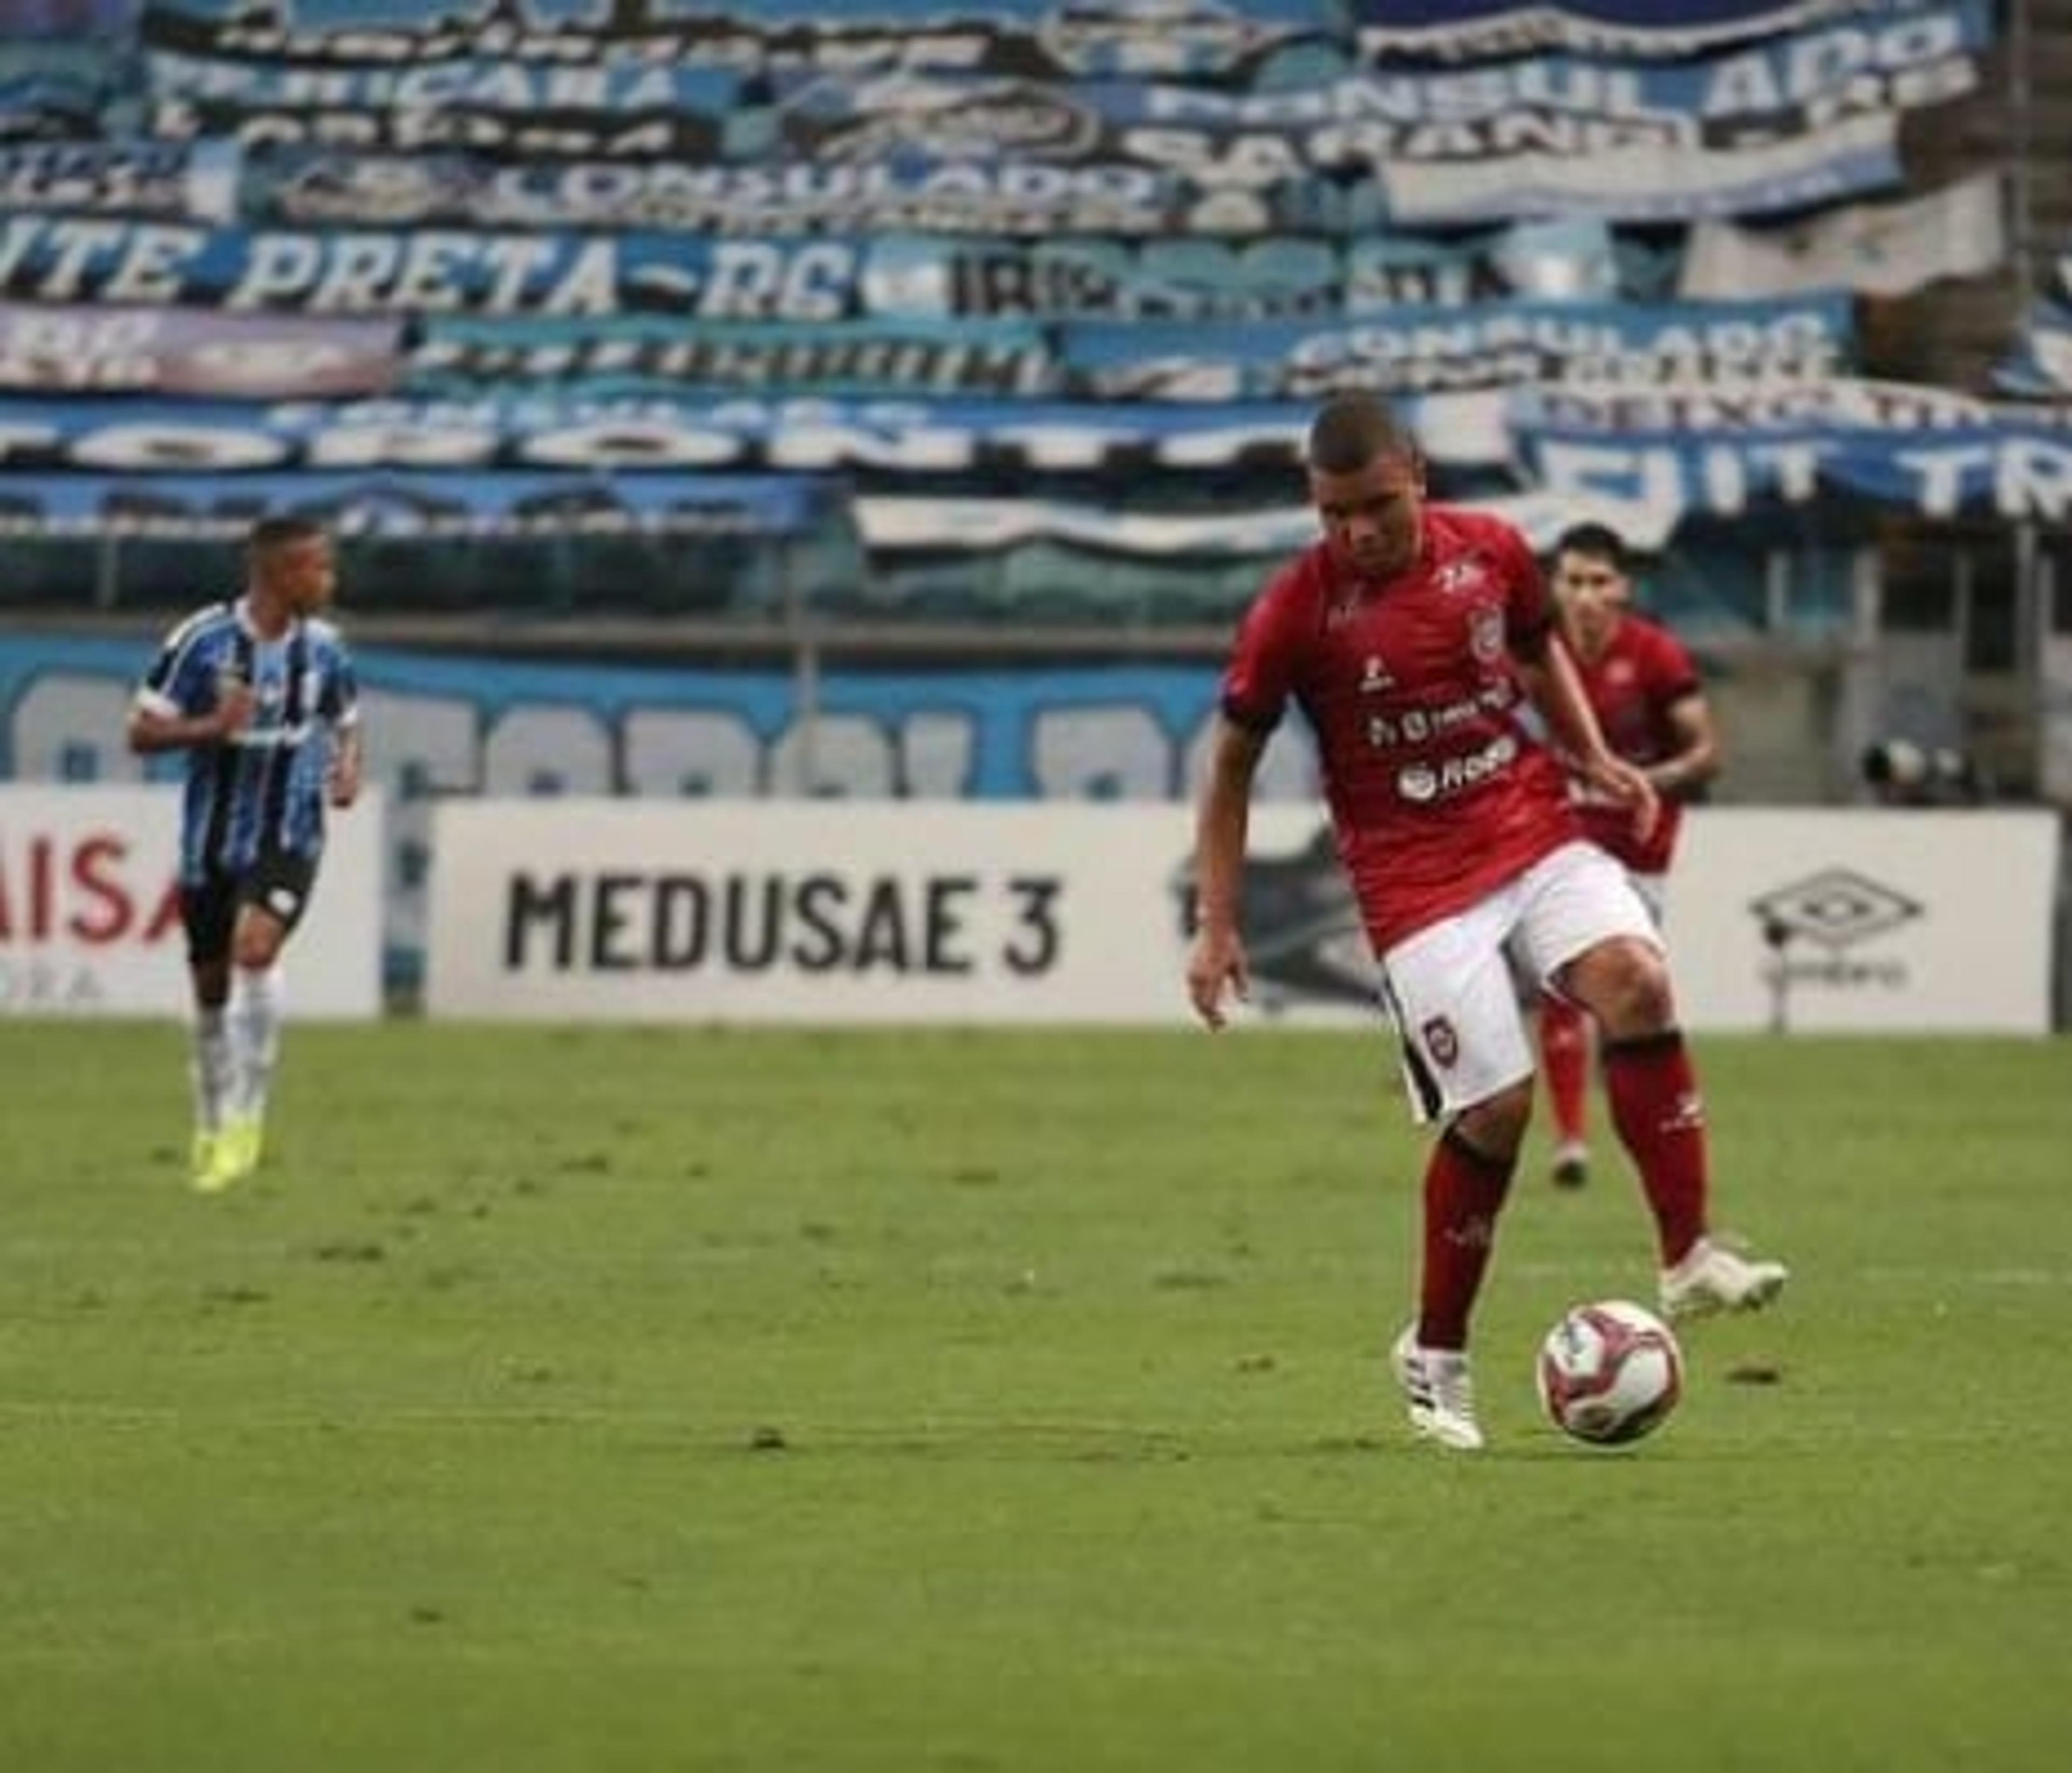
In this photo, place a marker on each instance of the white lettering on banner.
(64, 259)
(2030, 477)
(1715, 477)
(2023, 476)
(1870, 63)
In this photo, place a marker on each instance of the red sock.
(1464, 1190)
(1564, 1058)
(1661, 1120)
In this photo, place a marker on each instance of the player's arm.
(341, 780)
(1696, 761)
(1223, 818)
(1550, 679)
(157, 723)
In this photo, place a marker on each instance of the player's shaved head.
(1353, 429)
(269, 535)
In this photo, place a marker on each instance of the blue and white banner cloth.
(924, 438)
(2039, 366)
(302, 186)
(1721, 450)
(848, 359)
(1238, 42)
(769, 507)
(168, 181)
(194, 351)
(1778, 125)
(427, 271)
(1429, 350)
(505, 108)
(1449, 30)
(1876, 248)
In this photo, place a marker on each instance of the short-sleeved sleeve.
(1528, 610)
(1672, 674)
(180, 680)
(339, 703)
(1260, 675)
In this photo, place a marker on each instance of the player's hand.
(1625, 785)
(235, 705)
(342, 780)
(1216, 963)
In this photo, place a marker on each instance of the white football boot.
(1440, 1391)
(1711, 1278)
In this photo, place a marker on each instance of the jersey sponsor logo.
(1421, 783)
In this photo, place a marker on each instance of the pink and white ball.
(1610, 1373)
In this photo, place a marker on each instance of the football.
(1610, 1373)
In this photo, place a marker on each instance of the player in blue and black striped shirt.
(259, 691)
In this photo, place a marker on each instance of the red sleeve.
(1260, 675)
(1528, 612)
(1671, 675)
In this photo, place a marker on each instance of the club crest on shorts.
(1440, 1041)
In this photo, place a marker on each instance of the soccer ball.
(1610, 1373)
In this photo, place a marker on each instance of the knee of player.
(1636, 988)
(1496, 1125)
(256, 949)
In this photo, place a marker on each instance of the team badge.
(1442, 1043)
(1486, 634)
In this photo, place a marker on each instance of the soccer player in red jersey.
(1411, 637)
(1650, 706)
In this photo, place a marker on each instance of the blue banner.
(64, 259)
(2039, 366)
(1429, 350)
(189, 351)
(295, 186)
(1472, 30)
(1934, 454)
(764, 507)
(917, 438)
(1779, 125)
(844, 359)
(75, 18)
(172, 181)
(1263, 40)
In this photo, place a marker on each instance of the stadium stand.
(990, 332)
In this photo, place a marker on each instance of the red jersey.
(1438, 793)
(1644, 673)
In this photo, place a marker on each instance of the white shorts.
(1449, 988)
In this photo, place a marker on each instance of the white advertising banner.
(90, 916)
(1866, 920)
(959, 912)
(869, 911)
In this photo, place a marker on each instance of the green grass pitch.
(634, 1399)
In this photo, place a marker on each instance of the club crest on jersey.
(1442, 1043)
(1486, 634)
(1461, 575)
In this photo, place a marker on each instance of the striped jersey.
(263, 790)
